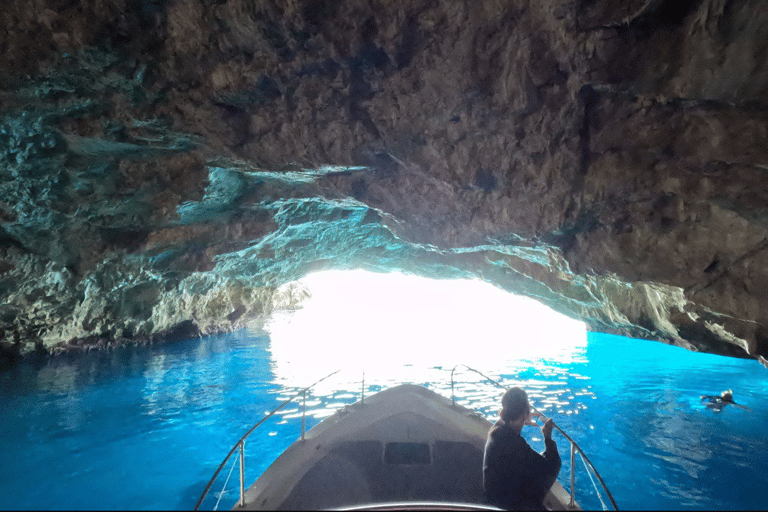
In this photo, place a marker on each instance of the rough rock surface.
(167, 165)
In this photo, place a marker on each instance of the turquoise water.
(145, 427)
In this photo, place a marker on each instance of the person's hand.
(532, 419)
(546, 429)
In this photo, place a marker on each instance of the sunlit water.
(145, 427)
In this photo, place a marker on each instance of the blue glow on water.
(145, 427)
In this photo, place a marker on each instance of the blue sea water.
(145, 427)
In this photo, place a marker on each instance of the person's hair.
(514, 404)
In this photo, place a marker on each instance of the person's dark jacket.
(515, 477)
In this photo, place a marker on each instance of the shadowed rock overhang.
(167, 165)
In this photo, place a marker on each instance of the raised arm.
(541, 468)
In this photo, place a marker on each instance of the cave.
(167, 166)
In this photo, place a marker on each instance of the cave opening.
(393, 325)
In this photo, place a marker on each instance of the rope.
(216, 507)
(589, 474)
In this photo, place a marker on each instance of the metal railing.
(241, 443)
(574, 447)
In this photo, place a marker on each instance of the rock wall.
(166, 165)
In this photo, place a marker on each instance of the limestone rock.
(166, 167)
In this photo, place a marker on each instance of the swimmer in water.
(717, 403)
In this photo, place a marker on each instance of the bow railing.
(241, 442)
(574, 447)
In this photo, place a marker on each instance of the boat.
(403, 448)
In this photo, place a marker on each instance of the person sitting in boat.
(515, 477)
(718, 402)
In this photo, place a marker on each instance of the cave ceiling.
(168, 166)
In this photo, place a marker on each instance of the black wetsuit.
(515, 477)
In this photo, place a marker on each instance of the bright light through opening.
(381, 323)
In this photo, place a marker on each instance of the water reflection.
(553, 386)
(84, 426)
(415, 330)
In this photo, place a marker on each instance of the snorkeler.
(717, 403)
